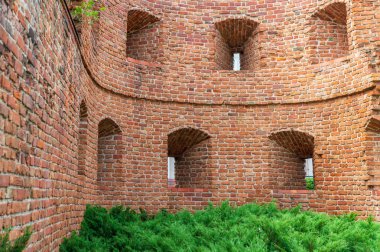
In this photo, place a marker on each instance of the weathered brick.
(94, 123)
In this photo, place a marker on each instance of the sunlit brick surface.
(88, 119)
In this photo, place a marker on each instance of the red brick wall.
(110, 170)
(82, 139)
(145, 44)
(287, 170)
(223, 53)
(192, 168)
(251, 54)
(328, 40)
(45, 75)
(373, 158)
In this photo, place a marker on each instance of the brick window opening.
(309, 167)
(143, 36)
(309, 173)
(109, 154)
(236, 42)
(292, 160)
(82, 143)
(171, 171)
(328, 38)
(372, 152)
(188, 159)
(236, 61)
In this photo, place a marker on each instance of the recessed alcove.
(82, 141)
(143, 36)
(236, 39)
(372, 152)
(328, 37)
(292, 160)
(109, 153)
(188, 162)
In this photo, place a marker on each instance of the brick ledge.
(294, 191)
(143, 62)
(176, 189)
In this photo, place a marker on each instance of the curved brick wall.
(85, 123)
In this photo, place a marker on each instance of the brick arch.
(191, 148)
(139, 19)
(322, 6)
(236, 31)
(328, 35)
(109, 153)
(372, 151)
(236, 35)
(143, 36)
(183, 139)
(289, 150)
(82, 138)
(335, 11)
(107, 127)
(295, 141)
(223, 18)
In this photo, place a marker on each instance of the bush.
(87, 9)
(250, 227)
(18, 245)
(309, 183)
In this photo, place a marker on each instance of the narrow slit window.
(309, 173)
(171, 171)
(236, 61)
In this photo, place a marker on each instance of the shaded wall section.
(328, 34)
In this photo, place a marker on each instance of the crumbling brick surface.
(56, 157)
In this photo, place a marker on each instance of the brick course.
(87, 119)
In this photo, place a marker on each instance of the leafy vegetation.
(87, 9)
(247, 228)
(18, 245)
(310, 183)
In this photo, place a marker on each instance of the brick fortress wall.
(94, 122)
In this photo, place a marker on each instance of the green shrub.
(18, 245)
(309, 183)
(87, 9)
(250, 227)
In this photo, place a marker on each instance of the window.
(309, 172)
(171, 171)
(188, 158)
(236, 44)
(236, 61)
(292, 162)
(309, 167)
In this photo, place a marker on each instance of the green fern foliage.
(18, 245)
(310, 183)
(251, 227)
(87, 9)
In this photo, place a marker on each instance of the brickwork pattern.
(47, 175)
